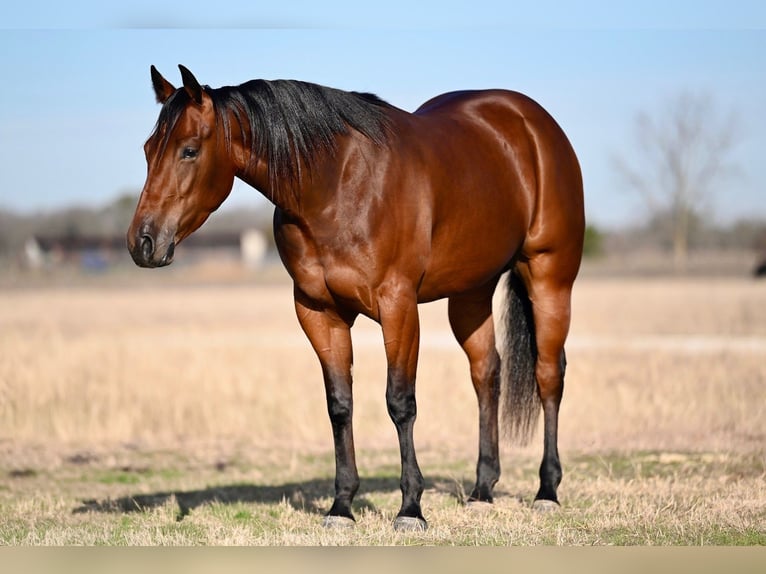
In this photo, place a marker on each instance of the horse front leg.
(401, 335)
(330, 336)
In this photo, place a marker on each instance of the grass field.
(159, 414)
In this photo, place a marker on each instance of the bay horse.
(377, 210)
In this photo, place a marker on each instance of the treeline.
(657, 235)
(111, 220)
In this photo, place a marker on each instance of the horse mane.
(288, 122)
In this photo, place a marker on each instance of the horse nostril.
(147, 246)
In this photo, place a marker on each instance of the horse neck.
(316, 186)
(256, 175)
(254, 170)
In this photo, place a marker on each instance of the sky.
(76, 103)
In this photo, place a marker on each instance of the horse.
(377, 210)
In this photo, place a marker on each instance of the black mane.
(287, 121)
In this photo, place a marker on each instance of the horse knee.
(340, 413)
(340, 407)
(400, 400)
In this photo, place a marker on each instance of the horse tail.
(519, 394)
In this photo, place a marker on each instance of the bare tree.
(682, 155)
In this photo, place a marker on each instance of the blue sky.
(76, 103)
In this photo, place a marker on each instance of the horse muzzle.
(149, 250)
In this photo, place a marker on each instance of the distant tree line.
(112, 220)
(654, 235)
(681, 156)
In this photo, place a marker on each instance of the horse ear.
(162, 88)
(191, 85)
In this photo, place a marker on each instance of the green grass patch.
(119, 477)
(623, 499)
(719, 536)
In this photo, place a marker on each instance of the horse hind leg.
(470, 317)
(551, 310)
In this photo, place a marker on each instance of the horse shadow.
(307, 496)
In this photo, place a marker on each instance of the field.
(154, 413)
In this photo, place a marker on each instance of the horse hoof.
(479, 506)
(410, 524)
(338, 522)
(545, 506)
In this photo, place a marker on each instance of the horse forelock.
(170, 113)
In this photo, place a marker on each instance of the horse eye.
(189, 153)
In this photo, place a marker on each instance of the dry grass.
(205, 404)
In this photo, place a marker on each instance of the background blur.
(663, 103)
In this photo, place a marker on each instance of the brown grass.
(188, 380)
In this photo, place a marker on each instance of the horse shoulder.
(300, 256)
(328, 270)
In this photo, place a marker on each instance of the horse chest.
(331, 280)
(336, 265)
(351, 287)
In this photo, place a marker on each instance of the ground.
(159, 412)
